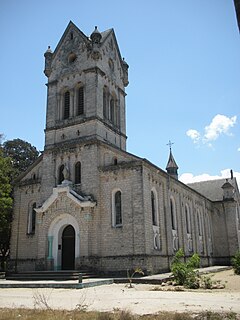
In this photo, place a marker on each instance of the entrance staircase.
(61, 275)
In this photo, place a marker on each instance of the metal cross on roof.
(170, 144)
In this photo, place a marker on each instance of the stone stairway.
(61, 275)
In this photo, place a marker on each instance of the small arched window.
(105, 104)
(173, 214)
(154, 209)
(78, 172)
(117, 209)
(188, 219)
(199, 220)
(66, 109)
(112, 110)
(31, 219)
(60, 174)
(80, 100)
(117, 111)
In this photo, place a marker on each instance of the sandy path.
(140, 299)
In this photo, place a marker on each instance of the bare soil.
(141, 299)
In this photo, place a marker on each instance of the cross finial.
(170, 144)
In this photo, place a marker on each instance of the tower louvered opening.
(66, 105)
(80, 101)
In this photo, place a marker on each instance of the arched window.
(154, 209)
(66, 109)
(105, 108)
(117, 209)
(173, 214)
(117, 111)
(78, 172)
(31, 219)
(188, 219)
(80, 101)
(112, 110)
(60, 174)
(199, 220)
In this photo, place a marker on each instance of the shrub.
(184, 272)
(207, 282)
(236, 263)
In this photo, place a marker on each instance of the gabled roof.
(71, 194)
(30, 168)
(212, 189)
(71, 25)
(106, 34)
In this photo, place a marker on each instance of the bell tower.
(86, 89)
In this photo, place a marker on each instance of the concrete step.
(61, 275)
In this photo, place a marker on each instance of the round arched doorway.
(68, 248)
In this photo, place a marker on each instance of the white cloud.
(194, 135)
(238, 149)
(220, 124)
(190, 178)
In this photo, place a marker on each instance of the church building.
(88, 203)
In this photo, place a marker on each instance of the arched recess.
(68, 248)
(55, 238)
(117, 216)
(113, 109)
(105, 103)
(79, 99)
(155, 220)
(200, 231)
(173, 214)
(188, 225)
(31, 223)
(173, 217)
(154, 207)
(60, 174)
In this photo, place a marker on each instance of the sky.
(184, 74)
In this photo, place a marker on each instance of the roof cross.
(170, 144)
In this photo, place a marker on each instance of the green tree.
(22, 153)
(5, 205)
(15, 157)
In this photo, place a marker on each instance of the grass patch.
(29, 314)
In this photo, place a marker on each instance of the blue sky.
(184, 72)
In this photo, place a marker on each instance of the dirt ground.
(141, 299)
(229, 279)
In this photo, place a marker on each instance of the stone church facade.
(87, 202)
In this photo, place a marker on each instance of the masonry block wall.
(124, 211)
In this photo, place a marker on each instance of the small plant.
(130, 276)
(206, 282)
(184, 273)
(236, 263)
(41, 299)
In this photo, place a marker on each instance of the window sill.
(31, 234)
(118, 226)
